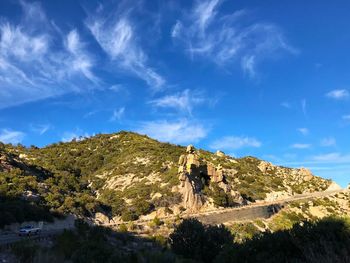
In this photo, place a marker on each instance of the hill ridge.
(125, 175)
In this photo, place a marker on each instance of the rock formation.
(220, 153)
(306, 174)
(190, 182)
(194, 174)
(266, 167)
(5, 163)
(333, 186)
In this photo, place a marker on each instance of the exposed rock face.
(301, 174)
(194, 175)
(215, 173)
(5, 163)
(306, 174)
(190, 182)
(333, 186)
(266, 167)
(220, 153)
(101, 218)
(273, 196)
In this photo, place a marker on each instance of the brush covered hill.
(126, 175)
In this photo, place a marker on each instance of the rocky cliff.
(196, 174)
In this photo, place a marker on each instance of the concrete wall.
(247, 213)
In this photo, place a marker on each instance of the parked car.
(28, 231)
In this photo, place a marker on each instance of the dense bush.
(113, 199)
(97, 244)
(191, 239)
(220, 198)
(327, 241)
(25, 251)
(244, 231)
(17, 210)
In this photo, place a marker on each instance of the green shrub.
(25, 251)
(220, 198)
(244, 231)
(326, 240)
(123, 228)
(191, 239)
(157, 222)
(129, 215)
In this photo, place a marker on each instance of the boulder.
(215, 173)
(305, 174)
(101, 218)
(220, 153)
(265, 167)
(190, 149)
(333, 186)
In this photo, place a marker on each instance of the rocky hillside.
(126, 176)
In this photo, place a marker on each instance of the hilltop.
(125, 176)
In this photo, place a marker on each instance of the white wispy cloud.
(327, 158)
(346, 117)
(182, 101)
(334, 157)
(338, 94)
(80, 60)
(205, 31)
(11, 136)
(301, 146)
(286, 105)
(329, 141)
(116, 88)
(76, 134)
(117, 114)
(180, 131)
(234, 142)
(303, 107)
(41, 128)
(117, 37)
(35, 62)
(303, 131)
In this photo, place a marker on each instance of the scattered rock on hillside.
(306, 173)
(220, 153)
(101, 218)
(333, 186)
(265, 167)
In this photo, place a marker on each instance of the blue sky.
(263, 78)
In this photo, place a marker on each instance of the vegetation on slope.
(71, 183)
(326, 240)
(123, 174)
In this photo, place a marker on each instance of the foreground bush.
(326, 240)
(322, 241)
(191, 239)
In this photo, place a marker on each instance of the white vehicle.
(28, 231)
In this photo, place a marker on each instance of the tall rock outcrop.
(194, 174)
(190, 181)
